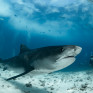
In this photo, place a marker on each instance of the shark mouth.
(65, 57)
(69, 56)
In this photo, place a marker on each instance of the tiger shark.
(42, 60)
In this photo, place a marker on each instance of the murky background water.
(38, 23)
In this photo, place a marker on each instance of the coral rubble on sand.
(59, 82)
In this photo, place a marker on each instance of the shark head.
(54, 58)
(67, 56)
(68, 52)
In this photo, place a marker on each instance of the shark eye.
(62, 49)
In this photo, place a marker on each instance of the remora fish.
(91, 61)
(42, 60)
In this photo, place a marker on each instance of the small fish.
(90, 1)
(1, 19)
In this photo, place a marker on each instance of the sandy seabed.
(59, 82)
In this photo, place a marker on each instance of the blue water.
(38, 23)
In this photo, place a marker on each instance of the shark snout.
(74, 50)
(77, 49)
(71, 51)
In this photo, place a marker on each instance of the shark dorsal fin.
(23, 48)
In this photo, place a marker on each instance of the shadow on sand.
(25, 89)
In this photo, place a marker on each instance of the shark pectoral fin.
(17, 76)
(27, 71)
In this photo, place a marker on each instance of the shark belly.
(61, 64)
(46, 66)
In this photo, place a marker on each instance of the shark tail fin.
(1, 60)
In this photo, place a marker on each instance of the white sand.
(59, 82)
